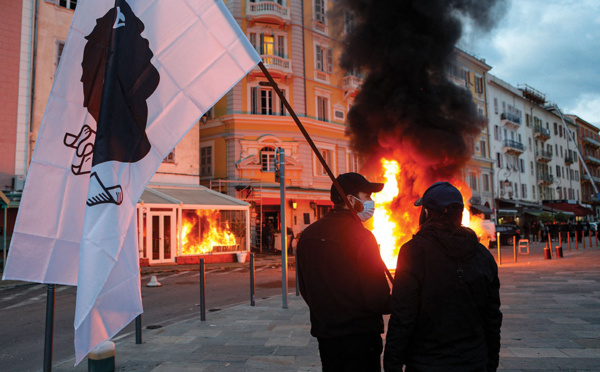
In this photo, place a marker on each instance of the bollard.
(252, 303)
(515, 249)
(559, 251)
(297, 283)
(138, 329)
(202, 291)
(102, 358)
(548, 251)
(498, 243)
(153, 282)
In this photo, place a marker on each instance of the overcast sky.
(552, 46)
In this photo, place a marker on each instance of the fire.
(202, 231)
(390, 230)
(396, 219)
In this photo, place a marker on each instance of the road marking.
(28, 290)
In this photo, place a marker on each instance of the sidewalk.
(551, 322)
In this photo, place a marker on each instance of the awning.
(481, 208)
(507, 212)
(197, 196)
(576, 209)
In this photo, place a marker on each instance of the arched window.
(267, 159)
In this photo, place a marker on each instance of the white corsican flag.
(135, 76)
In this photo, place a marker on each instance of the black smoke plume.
(406, 108)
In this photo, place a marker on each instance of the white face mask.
(368, 209)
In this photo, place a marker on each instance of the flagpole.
(314, 148)
(48, 340)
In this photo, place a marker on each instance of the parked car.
(594, 226)
(508, 233)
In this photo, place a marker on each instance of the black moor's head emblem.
(118, 77)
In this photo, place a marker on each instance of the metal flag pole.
(284, 275)
(49, 335)
(287, 105)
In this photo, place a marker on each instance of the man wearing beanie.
(342, 279)
(446, 299)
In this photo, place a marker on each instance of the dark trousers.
(360, 353)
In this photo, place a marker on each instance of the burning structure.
(409, 121)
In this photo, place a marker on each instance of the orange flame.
(396, 219)
(202, 231)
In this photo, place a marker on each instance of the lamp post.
(506, 174)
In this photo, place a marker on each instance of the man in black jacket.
(342, 279)
(446, 298)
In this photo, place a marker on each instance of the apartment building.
(533, 152)
(589, 147)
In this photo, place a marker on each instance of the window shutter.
(262, 43)
(319, 57)
(329, 60)
(254, 98)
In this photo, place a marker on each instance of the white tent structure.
(164, 209)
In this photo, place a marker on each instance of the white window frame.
(255, 98)
(318, 169)
(324, 106)
(352, 162)
(270, 165)
(323, 58)
(320, 11)
(67, 4)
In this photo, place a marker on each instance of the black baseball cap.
(440, 196)
(353, 183)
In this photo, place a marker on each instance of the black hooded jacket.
(445, 304)
(341, 277)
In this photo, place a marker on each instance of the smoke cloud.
(406, 108)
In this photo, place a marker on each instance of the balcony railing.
(586, 178)
(264, 9)
(569, 160)
(510, 119)
(543, 156)
(279, 63)
(587, 140)
(351, 84)
(591, 160)
(513, 147)
(545, 179)
(541, 133)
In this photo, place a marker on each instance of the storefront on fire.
(181, 224)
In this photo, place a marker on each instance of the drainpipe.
(32, 78)
(304, 58)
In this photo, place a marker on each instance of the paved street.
(551, 322)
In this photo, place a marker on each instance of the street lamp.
(508, 187)
(506, 174)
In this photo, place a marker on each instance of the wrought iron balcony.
(545, 179)
(586, 178)
(591, 160)
(591, 142)
(513, 147)
(569, 159)
(543, 156)
(510, 120)
(541, 133)
(264, 10)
